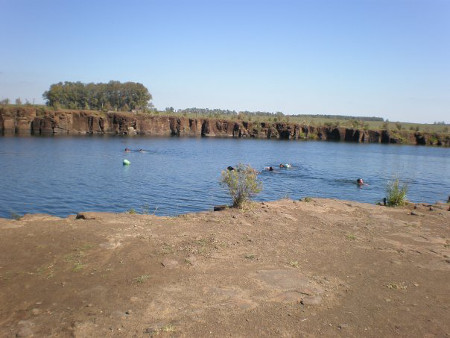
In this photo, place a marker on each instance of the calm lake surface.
(66, 175)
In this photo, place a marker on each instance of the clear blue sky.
(387, 58)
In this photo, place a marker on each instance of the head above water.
(360, 181)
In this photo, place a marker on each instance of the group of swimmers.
(359, 181)
(282, 165)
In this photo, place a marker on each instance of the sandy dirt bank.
(285, 268)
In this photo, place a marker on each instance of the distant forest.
(232, 113)
(113, 95)
(132, 96)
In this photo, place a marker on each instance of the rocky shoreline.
(23, 121)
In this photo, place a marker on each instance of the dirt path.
(285, 268)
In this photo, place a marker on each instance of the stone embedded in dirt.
(291, 286)
(25, 329)
(311, 300)
(150, 330)
(289, 280)
(231, 297)
(118, 314)
(169, 263)
(290, 297)
(36, 311)
(111, 244)
(85, 215)
(191, 260)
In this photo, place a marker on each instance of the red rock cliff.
(31, 121)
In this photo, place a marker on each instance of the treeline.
(216, 112)
(113, 95)
(219, 112)
(203, 111)
(343, 117)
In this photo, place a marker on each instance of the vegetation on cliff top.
(98, 96)
(135, 97)
(397, 129)
(333, 121)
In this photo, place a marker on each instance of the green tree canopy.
(112, 95)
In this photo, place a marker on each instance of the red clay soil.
(285, 268)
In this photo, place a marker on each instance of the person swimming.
(127, 150)
(360, 182)
(268, 168)
(285, 165)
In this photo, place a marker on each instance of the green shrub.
(396, 193)
(242, 183)
(15, 216)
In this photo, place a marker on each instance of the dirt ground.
(285, 268)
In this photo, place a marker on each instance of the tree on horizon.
(98, 96)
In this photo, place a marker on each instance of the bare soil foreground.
(285, 268)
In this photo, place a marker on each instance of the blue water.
(66, 175)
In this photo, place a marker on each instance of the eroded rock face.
(28, 120)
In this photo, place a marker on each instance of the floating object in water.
(126, 162)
